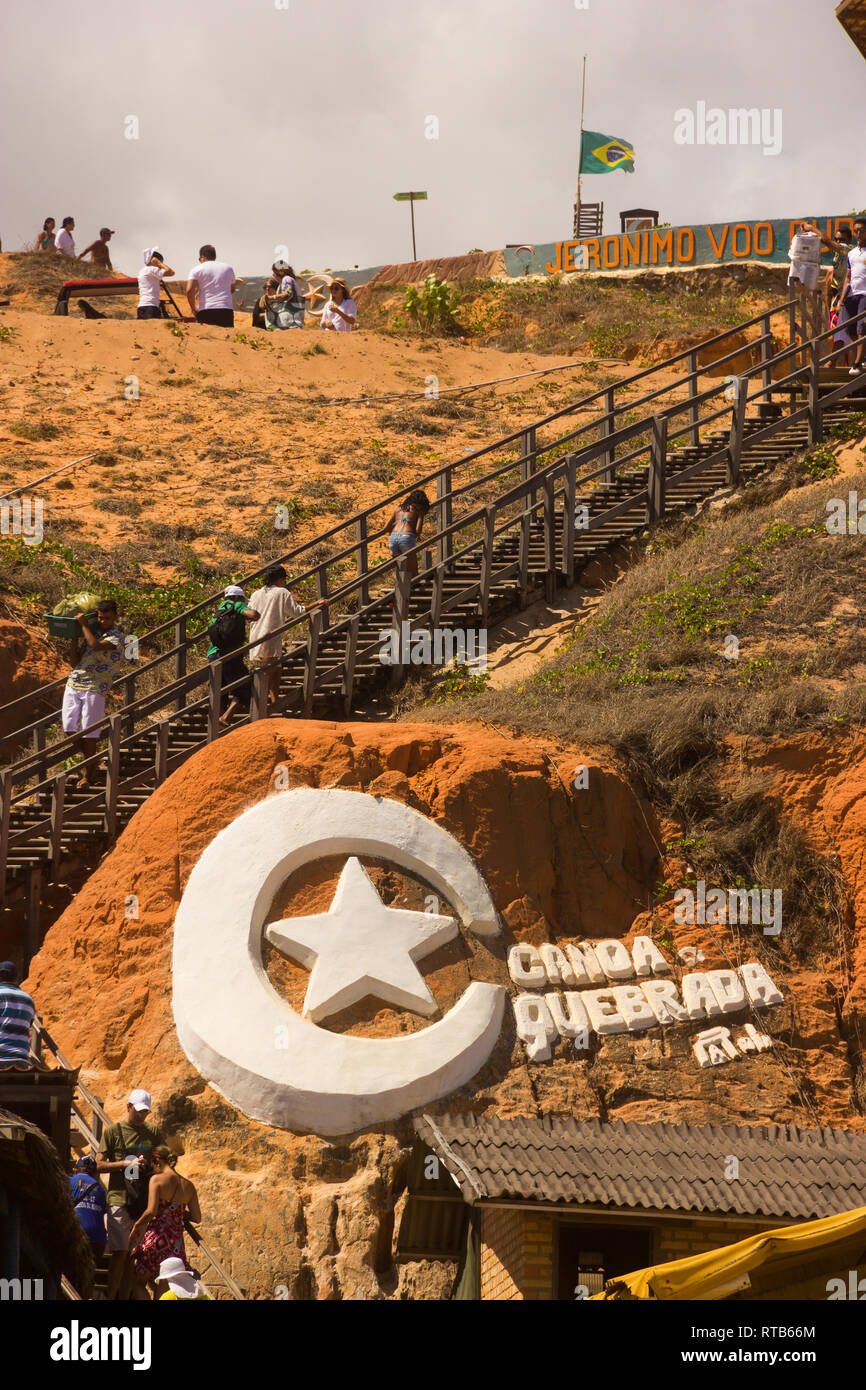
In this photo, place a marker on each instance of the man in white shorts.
(95, 661)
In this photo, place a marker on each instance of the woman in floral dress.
(158, 1233)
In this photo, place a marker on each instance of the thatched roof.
(34, 1178)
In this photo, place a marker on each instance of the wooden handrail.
(539, 492)
(463, 463)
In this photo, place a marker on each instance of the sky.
(291, 123)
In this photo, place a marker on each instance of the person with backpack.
(89, 1202)
(124, 1153)
(227, 632)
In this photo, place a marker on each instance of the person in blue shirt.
(90, 1202)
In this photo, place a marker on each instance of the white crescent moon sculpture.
(247, 1041)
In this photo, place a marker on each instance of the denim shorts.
(400, 542)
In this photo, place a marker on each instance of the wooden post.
(214, 698)
(525, 536)
(694, 411)
(322, 592)
(766, 351)
(58, 799)
(180, 660)
(34, 901)
(735, 441)
(362, 554)
(606, 429)
(527, 464)
(550, 573)
(129, 699)
(5, 816)
(568, 527)
(816, 419)
(313, 634)
(487, 562)
(436, 597)
(113, 776)
(658, 461)
(349, 666)
(161, 751)
(446, 511)
(259, 697)
(39, 747)
(402, 592)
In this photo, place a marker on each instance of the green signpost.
(411, 199)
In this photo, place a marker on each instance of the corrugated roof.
(783, 1170)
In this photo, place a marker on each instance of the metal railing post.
(550, 572)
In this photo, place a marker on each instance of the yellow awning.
(725, 1271)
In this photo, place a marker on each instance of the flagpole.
(580, 147)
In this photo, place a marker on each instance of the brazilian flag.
(601, 154)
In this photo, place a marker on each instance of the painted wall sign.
(277, 1066)
(712, 243)
(609, 1005)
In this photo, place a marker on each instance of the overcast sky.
(261, 126)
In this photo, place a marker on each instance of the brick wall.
(679, 1239)
(501, 1253)
(517, 1249)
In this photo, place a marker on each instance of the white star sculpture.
(360, 947)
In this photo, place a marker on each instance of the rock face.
(27, 661)
(317, 1218)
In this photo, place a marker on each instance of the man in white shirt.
(852, 297)
(275, 605)
(150, 279)
(63, 241)
(209, 289)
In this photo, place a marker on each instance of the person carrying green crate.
(95, 659)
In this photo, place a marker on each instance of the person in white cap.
(227, 633)
(123, 1154)
(150, 279)
(182, 1283)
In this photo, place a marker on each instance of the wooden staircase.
(523, 527)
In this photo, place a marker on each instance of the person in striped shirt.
(17, 1012)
